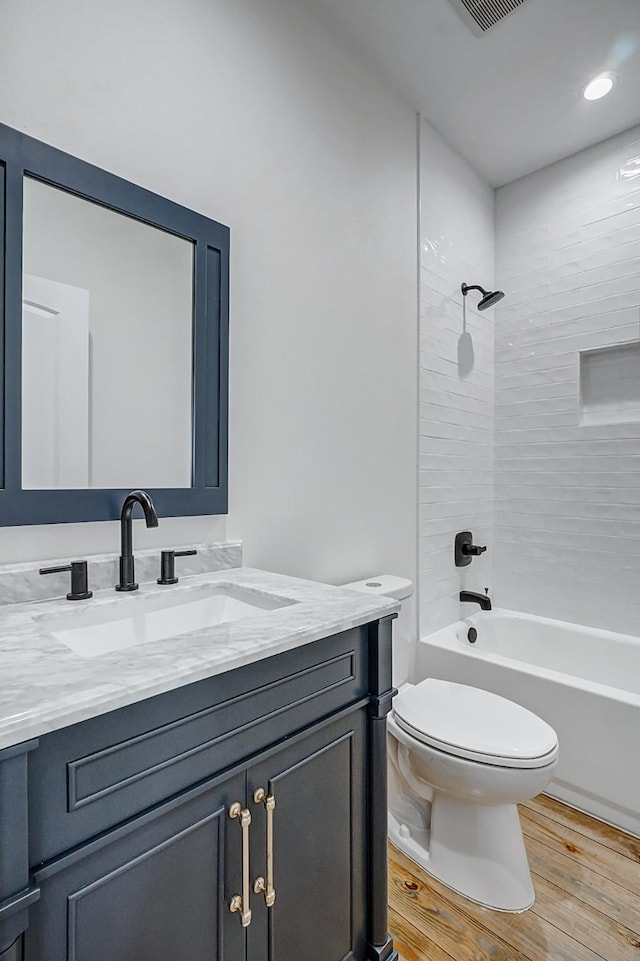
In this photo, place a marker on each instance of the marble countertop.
(45, 686)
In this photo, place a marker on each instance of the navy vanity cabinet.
(134, 854)
(319, 847)
(156, 889)
(160, 887)
(86, 779)
(17, 893)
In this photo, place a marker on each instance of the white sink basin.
(139, 619)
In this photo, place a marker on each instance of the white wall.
(255, 114)
(457, 244)
(568, 492)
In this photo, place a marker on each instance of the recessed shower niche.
(610, 385)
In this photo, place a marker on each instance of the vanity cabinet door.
(319, 848)
(155, 889)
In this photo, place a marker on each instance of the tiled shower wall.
(567, 469)
(457, 244)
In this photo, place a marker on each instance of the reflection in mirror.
(107, 319)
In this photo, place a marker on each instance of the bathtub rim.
(442, 638)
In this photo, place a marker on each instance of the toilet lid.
(472, 723)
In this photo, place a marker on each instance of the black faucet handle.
(168, 565)
(464, 549)
(472, 550)
(79, 579)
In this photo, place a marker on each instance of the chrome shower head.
(489, 297)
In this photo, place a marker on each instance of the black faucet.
(471, 597)
(127, 563)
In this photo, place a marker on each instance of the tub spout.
(471, 597)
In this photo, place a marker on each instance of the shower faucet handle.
(473, 550)
(465, 550)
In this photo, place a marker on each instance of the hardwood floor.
(587, 880)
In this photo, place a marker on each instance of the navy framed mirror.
(114, 305)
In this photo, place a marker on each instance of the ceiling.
(510, 101)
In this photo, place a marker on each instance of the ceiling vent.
(482, 15)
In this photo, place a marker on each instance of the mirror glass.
(107, 344)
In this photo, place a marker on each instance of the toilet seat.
(474, 724)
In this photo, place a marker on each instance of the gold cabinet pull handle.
(260, 796)
(240, 902)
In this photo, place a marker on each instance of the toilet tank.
(404, 629)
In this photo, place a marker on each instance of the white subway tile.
(501, 448)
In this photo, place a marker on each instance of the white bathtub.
(584, 682)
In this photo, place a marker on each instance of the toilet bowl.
(461, 759)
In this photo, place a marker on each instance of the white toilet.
(460, 760)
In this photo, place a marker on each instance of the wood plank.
(411, 944)
(579, 882)
(438, 921)
(469, 932)
(578, 847)
(609, 939)
(625, 844)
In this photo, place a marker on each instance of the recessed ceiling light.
(599, 87)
